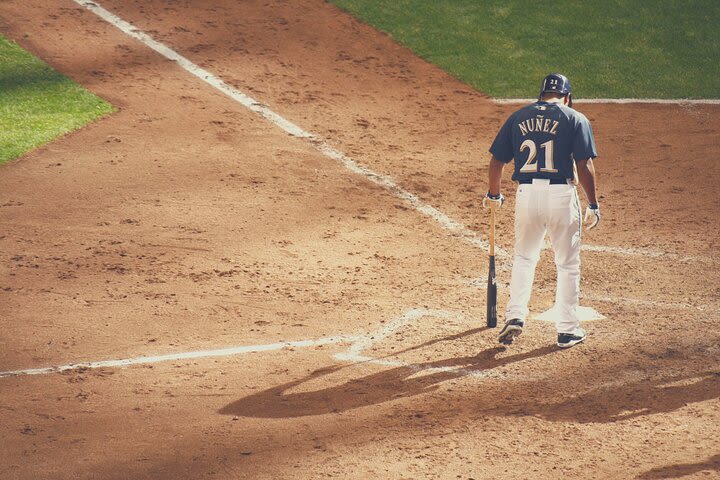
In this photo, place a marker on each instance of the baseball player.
(553, 148)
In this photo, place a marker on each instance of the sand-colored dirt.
(186, 222)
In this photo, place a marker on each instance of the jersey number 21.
(531, 165)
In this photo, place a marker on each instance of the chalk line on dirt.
(363, 342)
(223, 352)
(645, 302)
(481, 283)
(358, 343)
(384, 181)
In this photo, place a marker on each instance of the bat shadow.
(434, 341)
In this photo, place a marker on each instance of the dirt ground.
(185, 222)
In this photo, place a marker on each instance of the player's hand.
(493, 201)
(592, 216)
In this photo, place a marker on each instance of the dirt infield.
(185, 222)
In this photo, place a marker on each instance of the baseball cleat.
(566, 340)
(513, 328)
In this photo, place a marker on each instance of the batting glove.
(493, 201)
(592, 215)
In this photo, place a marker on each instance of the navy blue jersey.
(545, 139)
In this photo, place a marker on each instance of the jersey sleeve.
(502, 148)
(584, 143)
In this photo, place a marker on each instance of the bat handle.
(492, 230)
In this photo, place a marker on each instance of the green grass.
(38, 104)
(608, 48)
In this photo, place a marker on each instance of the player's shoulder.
(573, 115)
(525, 110)
(530, 107)
(516, 116)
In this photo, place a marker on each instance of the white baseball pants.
(555, 209)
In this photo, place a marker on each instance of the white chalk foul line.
(644, 302)
(364, 342)
(383, 181)
(644, 252)
(359, 343)
(627, 251)
(223, 352)
(481, 283)
(354, 353)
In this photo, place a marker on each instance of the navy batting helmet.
(557, 83)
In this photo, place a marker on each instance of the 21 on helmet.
(557, 83)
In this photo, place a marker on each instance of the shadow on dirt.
(398, 382)
(630, 400)
(712, 464)
(448, 338)
(586, 402)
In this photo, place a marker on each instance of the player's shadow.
(390, 384)
(604, 404)
(712, 464)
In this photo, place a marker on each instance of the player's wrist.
(493, 200)
(593, 206)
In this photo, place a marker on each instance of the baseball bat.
(492, 283)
